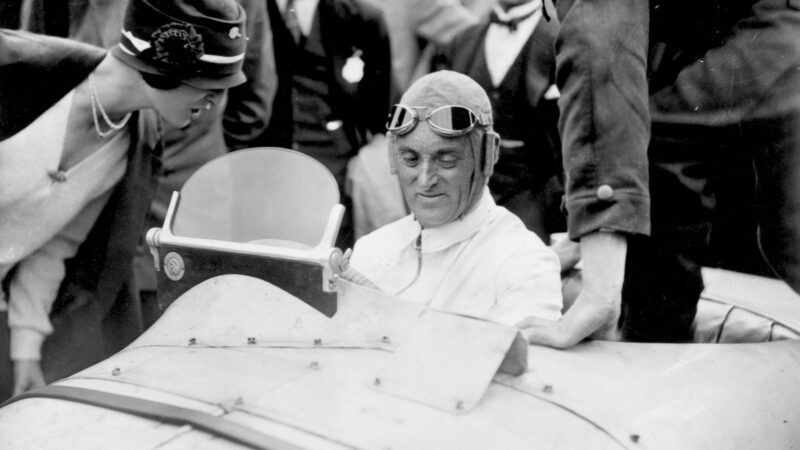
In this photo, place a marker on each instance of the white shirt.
(486, 265)
(502, 46)
(43, 221)
(305, 10)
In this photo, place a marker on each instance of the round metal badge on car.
(173, 266)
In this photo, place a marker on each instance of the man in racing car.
(457, 250)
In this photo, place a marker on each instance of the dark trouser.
(724, 157)
(777, 163)
(702, 185)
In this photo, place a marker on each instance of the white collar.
(459, 230)
(305, 10)
(517, 11)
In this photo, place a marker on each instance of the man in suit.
(510, 54)
(660, 101)
(334, 76)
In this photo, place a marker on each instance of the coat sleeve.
(39, 71)
(604, 122)
(36, 280)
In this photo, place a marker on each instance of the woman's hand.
(27, 375)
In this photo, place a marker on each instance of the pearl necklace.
(97, 105)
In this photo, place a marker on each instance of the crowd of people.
(661, 136)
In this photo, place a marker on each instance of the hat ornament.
(178, 47)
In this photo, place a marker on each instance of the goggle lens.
(452, 120)
(401, 119)
(448, 121)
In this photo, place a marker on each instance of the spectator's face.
(435, 175)
(184, 104)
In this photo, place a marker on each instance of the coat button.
(605, 192)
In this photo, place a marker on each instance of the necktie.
(510, 23)
(290, 19)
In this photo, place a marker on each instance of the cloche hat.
(201, 42)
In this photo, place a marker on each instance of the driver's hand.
(341, 266)
(27, 375)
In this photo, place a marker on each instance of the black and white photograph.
(400, 224)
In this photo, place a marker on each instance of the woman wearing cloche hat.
(79, 149)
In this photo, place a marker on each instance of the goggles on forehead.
(447, 121)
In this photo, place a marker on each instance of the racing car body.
(240, 359)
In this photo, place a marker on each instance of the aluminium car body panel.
(321, 394)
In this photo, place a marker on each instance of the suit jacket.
(345, 26)
(35, 72)
(538, 74)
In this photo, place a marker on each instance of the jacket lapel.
(540, 70)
